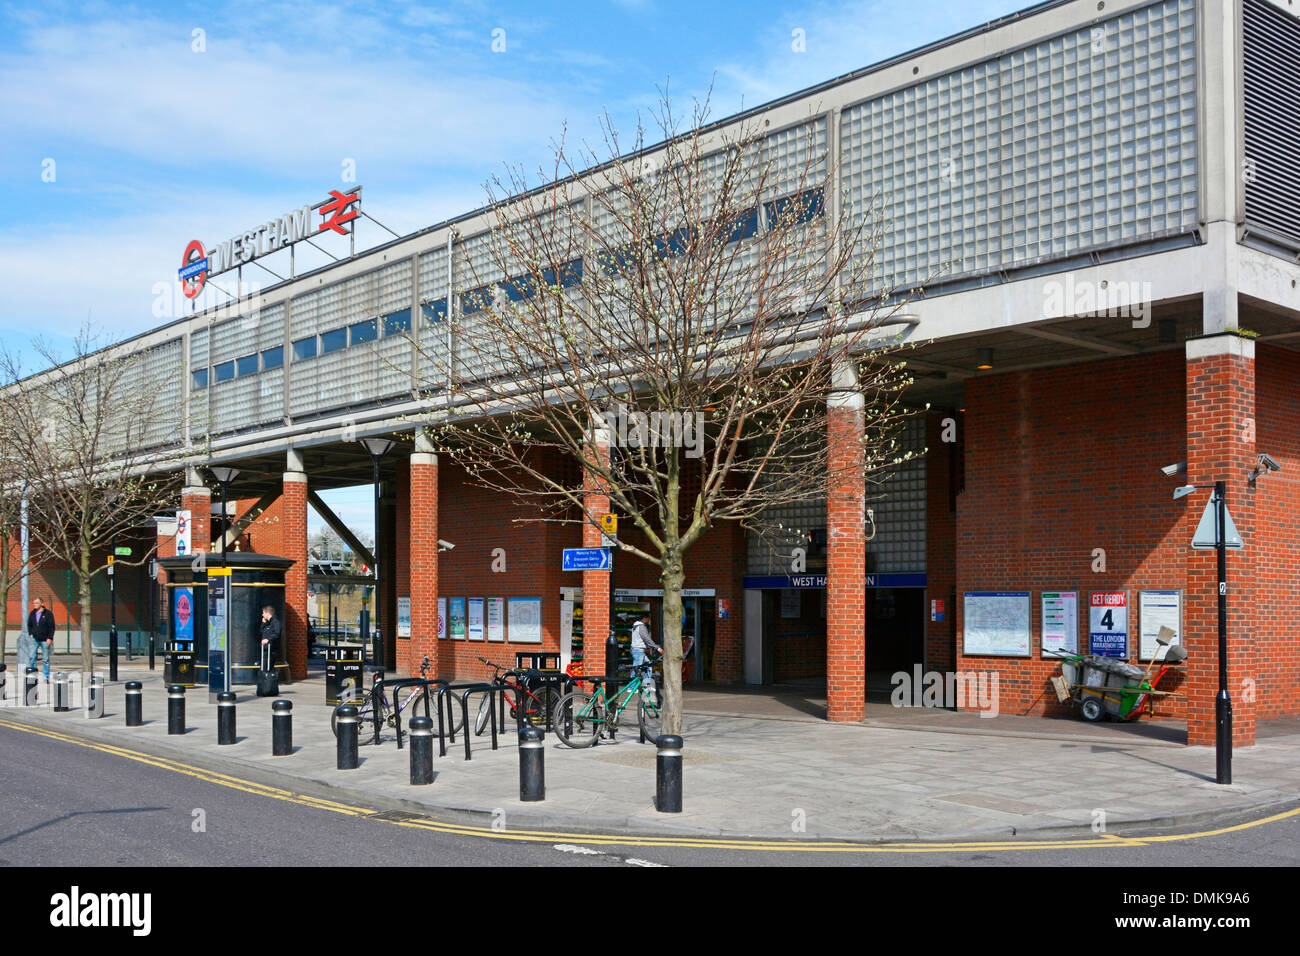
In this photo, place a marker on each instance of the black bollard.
(668, 775)
(152, 647)
(347, 737)
(281, 728)
(421, 751)
(112, 654)
(130, 640)
(30, 683)
(4, 679)
(95, 697)
(532, 764)
(61, 693)
(225, 717)
(175, 709)
(134, 704)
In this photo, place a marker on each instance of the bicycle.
(536, 701)
(366, 705)
(581, 718)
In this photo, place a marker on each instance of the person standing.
(271, 631)
(641, 639)
(40, 626)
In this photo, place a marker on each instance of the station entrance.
(785, 627)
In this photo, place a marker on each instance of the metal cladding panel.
(1083, 140)
(1271, 113)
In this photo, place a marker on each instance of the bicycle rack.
(395, 684)
(531, 678)
(447, 692)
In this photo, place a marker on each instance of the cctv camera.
(1269, 462)
(1176, 469)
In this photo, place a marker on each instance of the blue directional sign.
(587, 559)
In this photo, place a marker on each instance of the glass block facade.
(1079, 141)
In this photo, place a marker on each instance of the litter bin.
(537, 660)
(178, 665)
(344, 678)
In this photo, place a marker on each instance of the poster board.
(442, 619)
(474, 619)
(496, 619)
(1108, 623)
(1060, 623)
(525, 620)
(403, 617)
(456, 618)
(1158, 609)
(996, 623)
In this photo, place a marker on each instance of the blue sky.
(159, 134)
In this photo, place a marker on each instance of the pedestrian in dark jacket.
(271, 631)
(40, 626)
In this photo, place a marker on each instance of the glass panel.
(273, 358)
(305, 348)
(225, 371)
(333, 341)
(366, 331)
(246, 365)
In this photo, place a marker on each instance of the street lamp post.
(377, 448)
(224, 477)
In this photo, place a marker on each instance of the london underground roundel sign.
(194, 269)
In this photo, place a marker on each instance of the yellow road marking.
(1100, 841)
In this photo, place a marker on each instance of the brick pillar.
(197, 500)
(293, 522)
(423, 562)
(846, 678)
(1220, 447)
(596, 608)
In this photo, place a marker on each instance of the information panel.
(1060, 623)
(456, 618)
(1108, 623)
(1158, 609)
(474, 620)
(496, 619)
(525, 620)
(996, 623)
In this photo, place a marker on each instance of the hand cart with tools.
(1105, 687)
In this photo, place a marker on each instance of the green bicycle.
(580, 717)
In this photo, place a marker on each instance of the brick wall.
(1059, 462)
(1277, 537)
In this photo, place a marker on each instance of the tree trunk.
(83, 595)
(4, 596)
(672, 638)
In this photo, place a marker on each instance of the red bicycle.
(534, 699)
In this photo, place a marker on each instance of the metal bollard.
(4, 680)
(61, 693)
(152, 647)
(130, 635)
(281, 728)
(112, 654)
(668, 775)
(347, 737)
(421, 751)
(225, 718)
(175, 709)
(30, 683)
(532, 764)
(95, 697)
(134, 704)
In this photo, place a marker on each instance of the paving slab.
(927, 777)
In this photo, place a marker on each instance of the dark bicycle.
(367, 702)
(528, 700)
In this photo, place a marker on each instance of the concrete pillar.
(423, 562)
(1220, 447)
(596, 609)
(846, 677)
(293, 522)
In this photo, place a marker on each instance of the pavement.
(756, 764)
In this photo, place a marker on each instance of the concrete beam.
(341, 529)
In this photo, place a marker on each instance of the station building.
(1098, 203)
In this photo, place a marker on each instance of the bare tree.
(13, 490)
(670, 323)
(89, 428)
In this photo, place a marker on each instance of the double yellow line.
(1100, 841)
